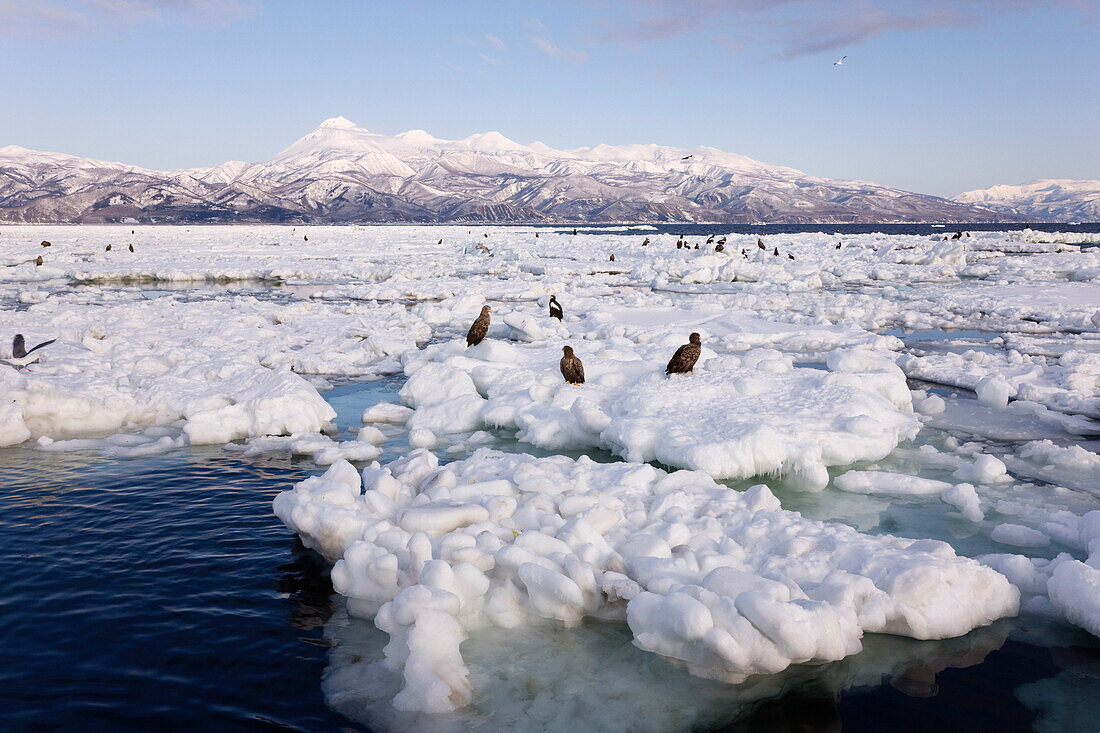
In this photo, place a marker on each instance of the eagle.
(719, 247)
(555, 308)
(760, 243)
(131, 248)
(838, 245)
(108, 248)
(645, 243)
(46, 244)
(775, 252)
(612, 257)
(722, 240)
(790, 256)
(38, 262)
(684, 359)
(477, 332)
(710, 239)
(571, 367)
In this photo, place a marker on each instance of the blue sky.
(937, 96)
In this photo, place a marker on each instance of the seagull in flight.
(21, 355)
(840, 62)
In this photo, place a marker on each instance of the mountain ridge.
(343, 173)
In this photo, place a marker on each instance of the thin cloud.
(569, 54)
(66, 17)
(800, 27)
(489, 60)
(494, 41)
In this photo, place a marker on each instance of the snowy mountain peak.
(1056, 199)
(341, 172)
(342, 123)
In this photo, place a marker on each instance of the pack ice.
(724, 582)
(735, 417)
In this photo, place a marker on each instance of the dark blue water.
(161, 593)
(920, 229)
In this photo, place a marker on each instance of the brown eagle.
(719, 247)
(38, 262)
(131, 248)
(684, 359)
(46, 244)
(555, 308)
(571, 367)
(776, 251)
(108, 248)
(760, 243)
(477, 332)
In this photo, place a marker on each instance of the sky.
(936, 96)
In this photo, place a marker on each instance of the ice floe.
(725, 582)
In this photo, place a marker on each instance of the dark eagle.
(775, 252)
(108, 248)
(555, 308)
(612, 257)
(646, 242)
(131, 248)
(719, 247)
(46, 244)
(39, 261)
(477, 332)
(571, 367)
(710, 239)
(838, 245)
(19, 347)
(760, 243)
(790, 256)
(722, 240)
(684, 359)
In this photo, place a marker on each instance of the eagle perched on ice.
(477, 332)
(683, 361)
(555, 308)
(571, 367)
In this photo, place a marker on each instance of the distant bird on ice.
(719, 247)
(683, 361)
(477, 332)
(108, 248)
(555, 308)
(687, 157)
(38, 262)
(612, 257)
(571, 367)
(645, 243)
(710, 239)
(775, 252)
(46, 244)
(840, 62)
(760, 243)
(440, 242)
(131, 248)
(838, 245)
(305, 238)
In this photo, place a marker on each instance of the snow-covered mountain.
(1045, 200)
(341, 172)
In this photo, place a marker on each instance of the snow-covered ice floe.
(735, 417)
(724, 582)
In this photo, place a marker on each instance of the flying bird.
(555, 308)
(477, 332)
(687, 157)
(19, 346)
(840, 62)
(20, 356)
(684, 359)
(571, 367)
